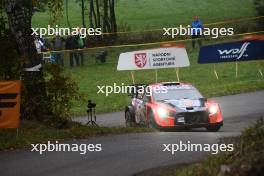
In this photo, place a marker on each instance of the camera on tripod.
(91, 105)
(91, 113)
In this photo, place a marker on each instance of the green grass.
(143, 14)
(32, 132)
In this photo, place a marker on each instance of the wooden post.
(260, 72)
(215, 72)
(156, 72)
(132, 76)
(177, 74)
(236, 69)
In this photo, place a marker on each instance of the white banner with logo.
(172, 57)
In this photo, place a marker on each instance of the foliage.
(61, 90)
(40, 5)
(40, 98)
(55, 8)
(259, 6)
(101, 13)
(10, 67)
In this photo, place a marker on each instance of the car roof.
(171, 84)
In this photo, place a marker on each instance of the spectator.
(196, 30)
(81, 45)
(38, 44)
(58, 43)
(43, 43)
(72, 44)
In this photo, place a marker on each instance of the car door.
(139, 113)
(142, 108)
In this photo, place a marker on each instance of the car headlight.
(213, 109)
(162, 112)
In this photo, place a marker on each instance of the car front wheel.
(151, 121)
(213, 128)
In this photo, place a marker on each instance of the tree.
(259, 6)
(83, 17)
(9, 65)
(19, 13)
(101, 14)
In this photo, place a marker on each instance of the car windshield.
(175, 94)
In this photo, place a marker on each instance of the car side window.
(146, 98)
(140, 95)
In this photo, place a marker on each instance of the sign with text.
(232, 52)
(172, 57)
(10, 104)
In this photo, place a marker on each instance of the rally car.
(172, 105)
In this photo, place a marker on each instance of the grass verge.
(31, 132)
(146, 14)
(246, 159)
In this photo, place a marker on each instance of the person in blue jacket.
(196, 31)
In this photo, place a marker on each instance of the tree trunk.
(106, 26)
(98, 14)
(83, 15)
(67, 14)
(112, 15)
(19, 13)
(91, 14)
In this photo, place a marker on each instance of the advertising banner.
(10, 92)
(172, 57)
(232, 52)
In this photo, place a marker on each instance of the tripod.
(91, 117)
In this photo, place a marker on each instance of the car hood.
(186, 105)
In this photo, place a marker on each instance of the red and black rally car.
(171, 105)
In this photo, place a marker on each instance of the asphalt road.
(128, 154)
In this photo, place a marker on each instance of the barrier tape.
(206, 24)
(147, 44)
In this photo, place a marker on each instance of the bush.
(10, 68)
(61, 90)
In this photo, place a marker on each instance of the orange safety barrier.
(10, 93)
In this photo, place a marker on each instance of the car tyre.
(151, 121)
(213, 128)
(130, 122)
